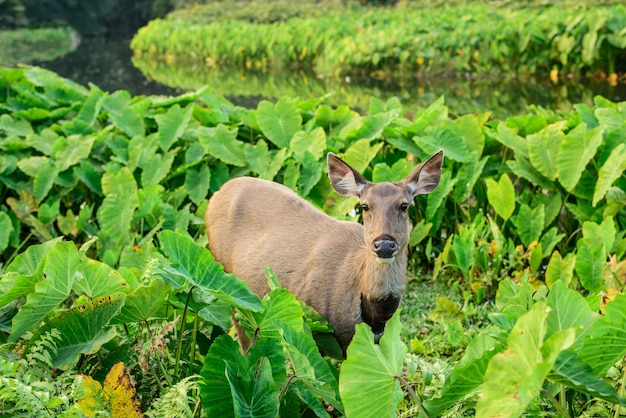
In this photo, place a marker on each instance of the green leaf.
(6, 228)
(511, 139)
(501, 196)
(44, 180)
(605, 343)
(529, 223)
(172, 125)
(590, 264)
(264, 162)
(445, 138)
(145, 303)
(116, 212)
(15, 127)
(419, 232)
(222, 143)
(281, 309)
(372, 368)
(569, 309)
(578, 375)
(280, 121)
(72, 150)
(612, 169)
(543, 150)
(97, 280)
(438, 196)
(84, 329)
(255, 394)
(467, 375)
(576, 151)
(156, 169)
(196, 265)
(128, 120)
(361, 153)
(60, 269)
(313, 142)
(399, 170)
(198, 183)
(560, 269)
(215, 387)
(25, 271)
(311, 173)
(515, 376)
(309, 366)
(372, 126)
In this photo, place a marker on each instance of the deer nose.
(385, 247)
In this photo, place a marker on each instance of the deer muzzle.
(385, 247)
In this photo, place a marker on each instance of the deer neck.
(381, 280)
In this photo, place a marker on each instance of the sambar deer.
(348, 272)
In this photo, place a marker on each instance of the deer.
(347, 271)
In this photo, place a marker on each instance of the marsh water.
(109, 64)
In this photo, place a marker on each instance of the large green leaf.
(467, 375)
(361, 153)
(576, 151)
(6, 228)
(590, 264)
(198, 183)
(313, 142)
(280, 121)
(511, 139)
(501, 196)
(281, 309)
(310, 368)
(264, 162)
(605, 343)
(97, 280)
(560, 269)
(543, 149)
(25, 271)
(611, 170)
(311, 173)
(222, 143)
(72, 150)
(569, 309)
(578, 375)
(529, 223)
(144, 303)
(156, 169)
(255, 394)
(399, 170)
(372, 369)
(446, 138)
(60, 270)
(116, 212)
(371, 126)
(84, 329)
(196, 265)
(224, 356)
(515, 376)
(172, 124)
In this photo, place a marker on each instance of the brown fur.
(329, 264)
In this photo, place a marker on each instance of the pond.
(109, 64)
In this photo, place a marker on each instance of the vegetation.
(553, 41)
(25, 46)
(106, 275)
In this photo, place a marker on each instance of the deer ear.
(425, 178)
(345, 179)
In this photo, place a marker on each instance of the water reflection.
(107, 64)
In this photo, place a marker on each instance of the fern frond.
(180, 400)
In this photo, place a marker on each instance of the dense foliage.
(25, 46)
(105, 261)
(474, 38)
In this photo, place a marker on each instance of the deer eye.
(404, 206)
(364, 207)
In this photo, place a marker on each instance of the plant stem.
(179, 343)
(621, 389)
(413, 395)
(555, 402)
(193, 343)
